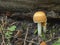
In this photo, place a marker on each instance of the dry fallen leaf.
(18, 34)
(18, 42)
(8, 13)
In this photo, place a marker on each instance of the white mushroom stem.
(44, 28)
(39, 29)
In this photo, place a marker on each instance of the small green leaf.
(10, 32)
(35, 31)
(7, 35)
(12, 28)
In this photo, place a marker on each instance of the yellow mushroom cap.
(39, 16)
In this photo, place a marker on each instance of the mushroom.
(43, 43)
(40, 18)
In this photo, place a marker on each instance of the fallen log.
(25, 5)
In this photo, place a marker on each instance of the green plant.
(35, 31)
(57, 42)
(43, 35)
(9, 33)
(6, 31)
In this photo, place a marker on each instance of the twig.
(2, 26)
(30, 42)
(52, 39)
(6, 22)
(12, 23)
(26, 37)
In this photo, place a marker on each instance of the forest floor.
(27, 33)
